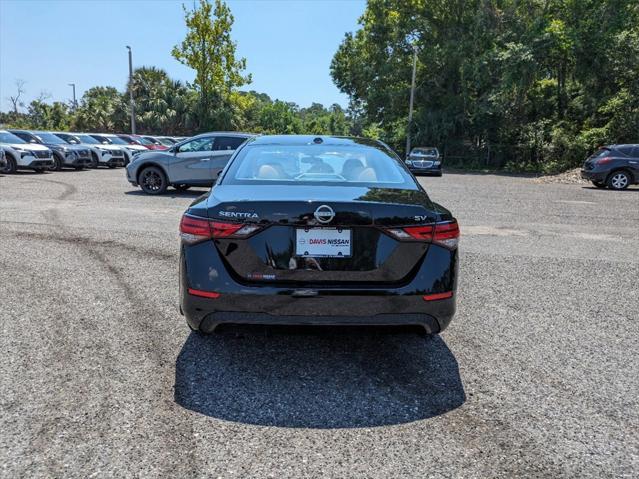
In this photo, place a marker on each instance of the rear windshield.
(339, 165)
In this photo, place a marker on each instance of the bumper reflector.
(204, 294)
(436, 296)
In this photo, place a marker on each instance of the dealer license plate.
(325, 242)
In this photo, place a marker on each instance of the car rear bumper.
(594, 175)
(202, 269)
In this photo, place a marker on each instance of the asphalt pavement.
(537, 376)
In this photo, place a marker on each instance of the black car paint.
(599, 173)
(260, 279)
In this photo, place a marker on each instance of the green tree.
(526, 84)
(210, 51)
(46, 116)
(279, 118)
(102, 109)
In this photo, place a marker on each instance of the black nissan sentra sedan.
(317, 230)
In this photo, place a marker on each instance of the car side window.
(626, 150)
(635, 152)
(228, 143)
(199, 144)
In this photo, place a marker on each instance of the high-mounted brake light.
(444, 233)
(194, 229)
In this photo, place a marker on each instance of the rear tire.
(619, 180)
(152, 180)
(11, 167)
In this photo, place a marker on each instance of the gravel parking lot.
(538, 374)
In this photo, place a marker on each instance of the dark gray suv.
(196, 161)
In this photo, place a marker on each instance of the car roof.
(224, 133)
(311, 139)
(619, 145)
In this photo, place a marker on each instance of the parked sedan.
(72, 156)
(614, 166)
(107, 155)
(326, 230)
(196, 161)
(21, 155)
(425, 160)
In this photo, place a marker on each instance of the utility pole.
(412, 97)
(131, 91)
(75, 103)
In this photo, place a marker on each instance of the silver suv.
(196, 161)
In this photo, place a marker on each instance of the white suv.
(21, 155)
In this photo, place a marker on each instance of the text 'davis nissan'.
(317, 230)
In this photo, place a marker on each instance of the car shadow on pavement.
(318, 377)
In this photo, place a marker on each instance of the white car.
(111, 139)
(101, 154)
(21, 155)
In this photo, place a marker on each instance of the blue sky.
(49, 44)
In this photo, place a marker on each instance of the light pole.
(131, 91)
(75, 103)
(412, 97)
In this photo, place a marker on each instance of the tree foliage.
(533, 84)
(210, 51)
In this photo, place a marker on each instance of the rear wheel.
(11, 165)
(619, 180)
(153, 180)
(599, 184)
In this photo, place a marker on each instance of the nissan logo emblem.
(324, 214)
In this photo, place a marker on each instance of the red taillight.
(445, 233)
(224, 230)
(424, 233)
(194, 229)
(204, 294)
(437, 296)
(603, 161)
